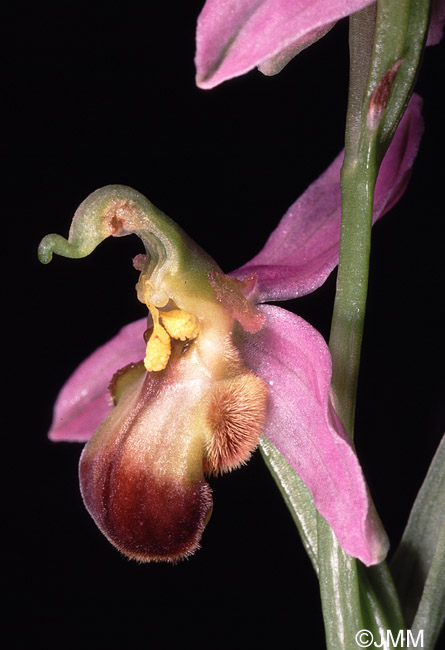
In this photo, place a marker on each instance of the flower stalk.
(397, 45)
(385, 55)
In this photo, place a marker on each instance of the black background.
(104, 94)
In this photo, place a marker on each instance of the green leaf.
(295, 495)
(418, 565)
(339, 590)
(354, 597)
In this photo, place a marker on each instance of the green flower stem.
(354, 597)
(355, 238)
(358, 182)
(400, 33)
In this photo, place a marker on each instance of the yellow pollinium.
(176, 324)
(158, 350)
(180, 324)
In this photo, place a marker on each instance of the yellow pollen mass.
(177, 324)
(158, 349)
(180, 324)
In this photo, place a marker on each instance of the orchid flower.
(190, 391)
(235, 36)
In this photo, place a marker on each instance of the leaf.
(296, 496)
(354, 597)
(418, 565)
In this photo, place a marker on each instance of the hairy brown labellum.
(146, 517)
(142, 474)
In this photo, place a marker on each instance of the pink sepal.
(294, 361)
(303, 250)
(84, 401)
(437, 21)
(235, 36)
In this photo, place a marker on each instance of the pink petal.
(294, 361)
(303, 250)
(435, 32)
(234, 36)
(84, 401)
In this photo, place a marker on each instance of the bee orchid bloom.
(235, 36)
(190, 391)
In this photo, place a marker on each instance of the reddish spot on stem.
(380, 96)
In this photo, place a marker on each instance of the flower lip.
(141, 474)
(146, 518)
